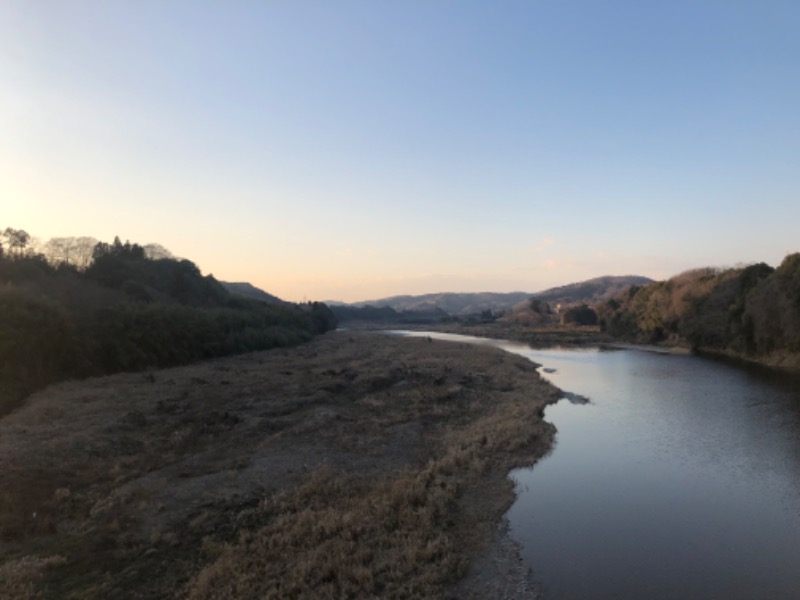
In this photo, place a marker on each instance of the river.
(679, 479)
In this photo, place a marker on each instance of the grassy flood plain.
(357, 465)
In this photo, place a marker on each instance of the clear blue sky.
(352, 150)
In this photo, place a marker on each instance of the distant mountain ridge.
(453, 303)
(591, 291)
(386, 314)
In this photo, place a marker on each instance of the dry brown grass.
(397, 535)
(357, 466)
(339, 536)
(19, 578)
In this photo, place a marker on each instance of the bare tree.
(15, 240)
(56, 250)
(82, 251)
(156, 251)
(70, 250)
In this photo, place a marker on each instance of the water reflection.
(680, 479)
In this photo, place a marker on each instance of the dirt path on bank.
(359, 465)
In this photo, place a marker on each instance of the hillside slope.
(248, 290)
(591, 291)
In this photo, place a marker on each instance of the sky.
(355, 150)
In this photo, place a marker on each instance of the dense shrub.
(579, 315)
(35, 344)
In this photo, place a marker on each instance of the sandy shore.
(359, 465)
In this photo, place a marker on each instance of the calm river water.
(680, 479)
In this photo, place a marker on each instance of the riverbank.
(357, 465)
(780, 360)
(569, 336)
(658, 349)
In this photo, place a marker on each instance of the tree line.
(751, 311)
(124, 308)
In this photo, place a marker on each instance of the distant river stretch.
(679, 480)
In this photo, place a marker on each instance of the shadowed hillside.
(124, 311)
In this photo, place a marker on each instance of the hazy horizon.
(357, 150)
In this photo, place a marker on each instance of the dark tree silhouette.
(16, 240)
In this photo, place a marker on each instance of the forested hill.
(591, 291)
(751, 311)
(118, 310)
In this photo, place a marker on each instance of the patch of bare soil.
(358, 465)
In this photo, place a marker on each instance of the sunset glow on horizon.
(354, 150)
